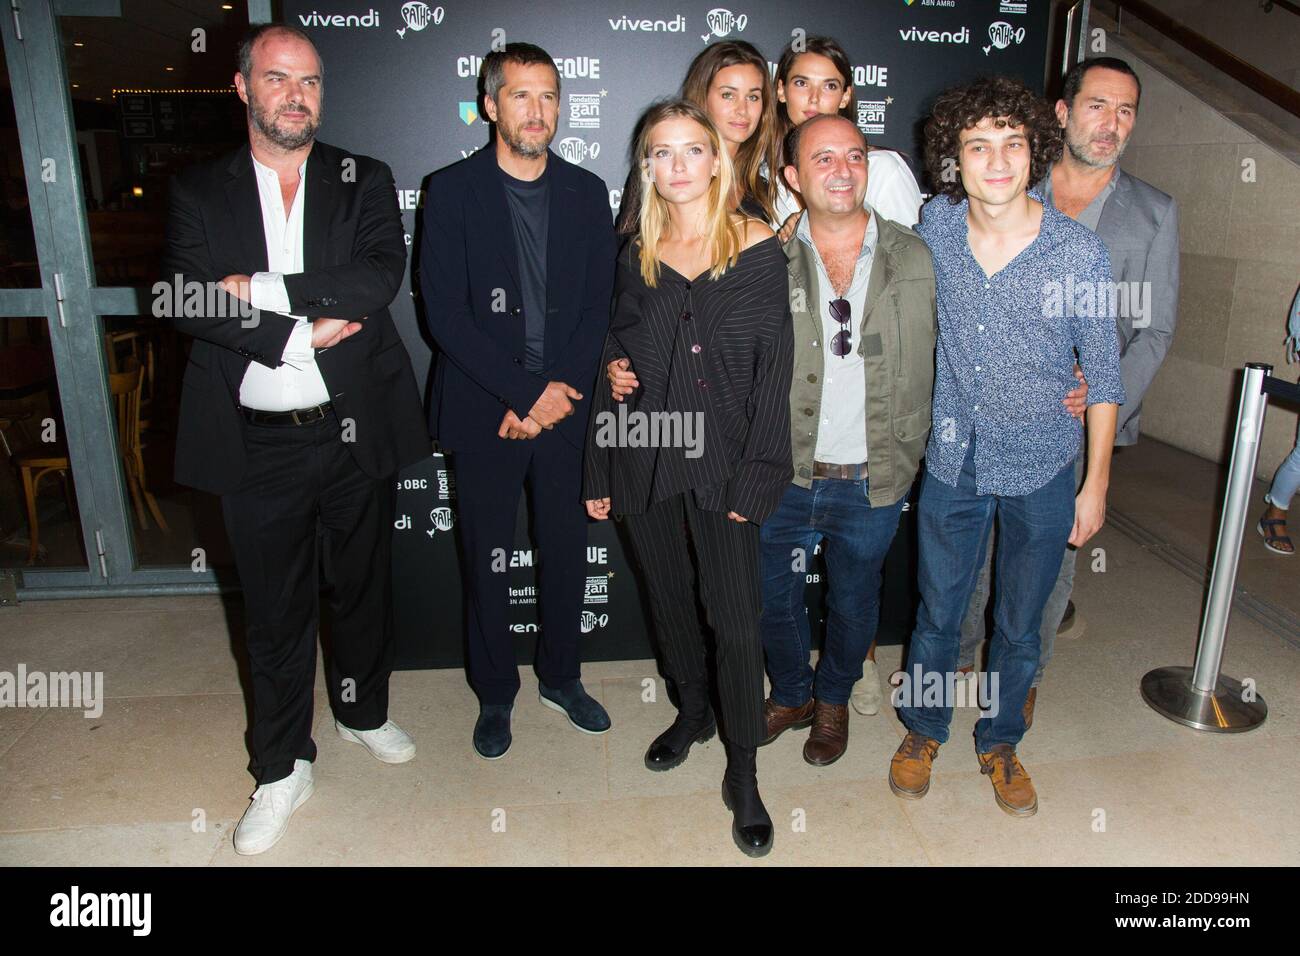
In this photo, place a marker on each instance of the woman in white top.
(817, 80)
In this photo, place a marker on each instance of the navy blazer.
(473, 303)
(354, 255)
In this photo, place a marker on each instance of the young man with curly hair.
(1021, 289)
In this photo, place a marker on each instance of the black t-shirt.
(529, 204)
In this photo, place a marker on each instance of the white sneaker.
(866, 692)
(267, 817)
(389, 743)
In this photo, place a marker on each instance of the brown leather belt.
(299, 416)
(824, 469)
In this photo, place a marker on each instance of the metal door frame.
(72, 304)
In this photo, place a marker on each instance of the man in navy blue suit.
(516, 272)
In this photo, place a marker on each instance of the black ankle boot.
(751, 827)
(694, 724)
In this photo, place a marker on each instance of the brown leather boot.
(830, 734)
(1029, 707)
(780, 719)
(909, 771)
(1011, 785)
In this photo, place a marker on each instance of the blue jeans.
(1285, 481)
(953, 527)
(972, 628)
(856, 538)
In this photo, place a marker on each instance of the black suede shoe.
(694, 724)
(492, 731)
(572, 700)
(751, 827)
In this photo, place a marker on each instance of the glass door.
(107, 99)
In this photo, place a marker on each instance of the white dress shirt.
(842, 429)
(298, 382)
(891, 191)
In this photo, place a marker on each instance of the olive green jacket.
(895, 337)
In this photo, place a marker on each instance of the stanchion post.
(1201, 697)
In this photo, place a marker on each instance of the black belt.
(824, 469)
(299, 416)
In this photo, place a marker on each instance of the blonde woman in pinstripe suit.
(701, 316)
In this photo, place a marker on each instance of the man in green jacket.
(862, 298)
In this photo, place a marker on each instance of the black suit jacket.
(473, 304)
(354, 254)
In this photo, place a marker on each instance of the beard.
(512, 137)
(1081, 151)
(287, 139)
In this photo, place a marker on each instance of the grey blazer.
(1139, 225)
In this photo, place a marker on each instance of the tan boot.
(909, 771)
(1029, 707)
(1011, 785)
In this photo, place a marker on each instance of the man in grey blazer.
(1139, 225)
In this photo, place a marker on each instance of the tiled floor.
(160, 778)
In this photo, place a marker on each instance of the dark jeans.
(972, 628)
(856, 538)
(953, 527)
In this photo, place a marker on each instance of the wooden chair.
(35, 464)
(126, 387)
(123, 348)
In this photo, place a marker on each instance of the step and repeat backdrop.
(401, 85)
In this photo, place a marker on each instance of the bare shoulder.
(754, 231)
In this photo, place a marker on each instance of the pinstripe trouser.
(727, 553)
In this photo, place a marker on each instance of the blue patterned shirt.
(1006, 351)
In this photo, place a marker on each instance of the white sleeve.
(266, 291)
(891, 188)
(298, 348)
(786, 204)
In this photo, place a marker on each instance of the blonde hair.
(725, 240)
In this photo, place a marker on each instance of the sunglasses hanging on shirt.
(842, 313)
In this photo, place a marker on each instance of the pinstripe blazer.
(719, 351)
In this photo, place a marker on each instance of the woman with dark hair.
(701, 314)
(818, 78)
(729, 81)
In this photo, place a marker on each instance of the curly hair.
(1006, 101)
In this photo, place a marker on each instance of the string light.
(225, 89)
